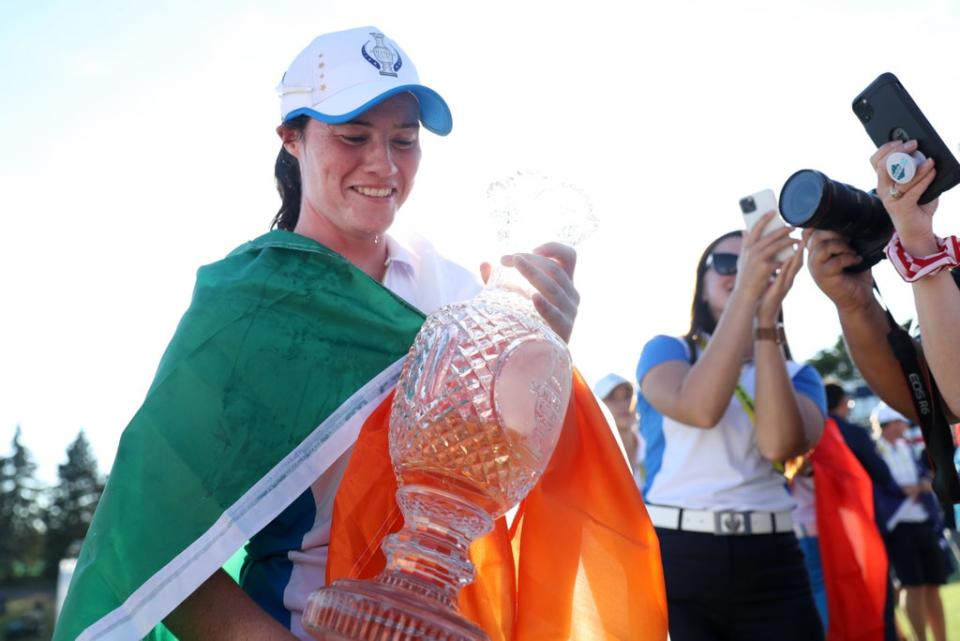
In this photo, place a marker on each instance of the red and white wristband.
(912, 269)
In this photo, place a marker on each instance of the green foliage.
(72, 502)
(835, 362)
(21, 517)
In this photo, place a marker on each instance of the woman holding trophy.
(290, 343)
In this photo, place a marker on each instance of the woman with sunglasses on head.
(721, 408)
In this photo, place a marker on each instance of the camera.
(810, 199)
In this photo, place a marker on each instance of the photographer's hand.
(862, 320)
(913, 222)
(830, 254)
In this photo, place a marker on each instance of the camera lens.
(801, 198)
(748, 205)
(811, 199)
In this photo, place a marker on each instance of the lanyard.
(745, 401)
(748, 406)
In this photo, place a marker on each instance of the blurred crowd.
(770, 505)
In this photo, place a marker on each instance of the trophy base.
(351, 610)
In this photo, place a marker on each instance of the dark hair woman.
(721, 408)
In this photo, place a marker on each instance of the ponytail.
(287, 174)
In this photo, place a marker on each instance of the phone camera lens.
(747, 205)
(864, 110)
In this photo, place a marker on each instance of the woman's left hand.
(769, 308)
(549, 268)
(914, 222)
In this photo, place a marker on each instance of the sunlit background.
(137, 143)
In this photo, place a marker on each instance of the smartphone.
(889, 113)
(754, 207)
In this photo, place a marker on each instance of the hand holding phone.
(889, 113)
(754, 207)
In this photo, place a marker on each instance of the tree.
(836, 363)
(21, 517)
(72, 502)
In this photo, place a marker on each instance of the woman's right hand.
(758, 261)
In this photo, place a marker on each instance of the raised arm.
(699, 395)
(937, 296)
(788, 423)
(862, 320)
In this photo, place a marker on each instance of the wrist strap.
(774, 334)
(913, 268)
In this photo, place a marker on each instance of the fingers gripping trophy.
(477, 413)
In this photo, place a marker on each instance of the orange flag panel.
(581, 562)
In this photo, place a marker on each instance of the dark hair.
(287, 174)
(835, 394)
(701, 316)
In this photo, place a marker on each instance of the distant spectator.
(618, 394)
(857, 438)
(911, 538)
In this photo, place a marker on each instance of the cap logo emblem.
(385, 59)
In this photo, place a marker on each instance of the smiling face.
(717, 287)
(356, 175)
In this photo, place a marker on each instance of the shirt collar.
(400, 254)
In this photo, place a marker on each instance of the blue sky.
(136, 143)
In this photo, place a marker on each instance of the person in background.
(885, 489)
(930, 264)
(720, 409)
(618, 394)
(911, 538)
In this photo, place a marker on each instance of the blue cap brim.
(434, 112)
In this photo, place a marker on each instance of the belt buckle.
(731, 522)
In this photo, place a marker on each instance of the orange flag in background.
(852, 552)
(581, 562)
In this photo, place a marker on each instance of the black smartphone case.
(889, 113)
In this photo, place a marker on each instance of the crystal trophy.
(476, 415)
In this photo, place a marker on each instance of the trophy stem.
(415, 597)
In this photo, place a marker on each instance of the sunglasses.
(723, 263)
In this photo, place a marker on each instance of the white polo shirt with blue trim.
(719, 468)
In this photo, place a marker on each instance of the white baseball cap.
(884, 414)
(608, 383)
(342, 74)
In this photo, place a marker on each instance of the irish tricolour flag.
(284, 351)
